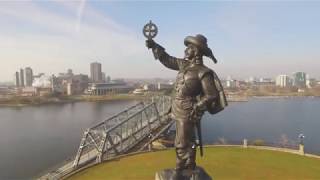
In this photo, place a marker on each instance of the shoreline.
(36, 101)
(281, 97)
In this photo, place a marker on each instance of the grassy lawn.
(219, 162)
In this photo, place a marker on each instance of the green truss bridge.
(131, 130)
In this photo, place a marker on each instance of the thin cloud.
(61, 46)
(80, 14)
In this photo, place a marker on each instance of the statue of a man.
(194, 80)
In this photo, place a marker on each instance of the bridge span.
(133, 129)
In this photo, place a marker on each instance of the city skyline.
(248, 38)
(95, 70)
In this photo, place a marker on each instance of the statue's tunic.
(193, 80)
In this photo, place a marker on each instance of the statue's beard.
(189, 57)
(196, 60)
(193, 59)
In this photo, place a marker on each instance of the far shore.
(283, 97)
(36, 100)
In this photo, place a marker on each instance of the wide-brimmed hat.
(200, 41)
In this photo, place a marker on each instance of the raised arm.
(160, 53)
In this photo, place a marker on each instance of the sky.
(248, 38)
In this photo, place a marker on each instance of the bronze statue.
(196, 91)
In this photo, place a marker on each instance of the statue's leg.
(185, 145)
(180, 146)
(191, 161)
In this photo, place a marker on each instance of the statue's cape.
(221, 101)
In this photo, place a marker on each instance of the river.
(35, 138)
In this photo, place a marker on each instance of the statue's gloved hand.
(150, 43)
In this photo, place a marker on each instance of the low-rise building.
(44, 85)
(69, 84)
(149, 87)
(283, 80)
(43, 81)
(108, 88)
(139, 91)
(5, 90)
(29, 91)
(164, 86)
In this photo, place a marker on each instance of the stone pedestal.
(170, 174)
(301, 149)
(245, 143)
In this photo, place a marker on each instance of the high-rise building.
(29, 76)
(69, 72)
(103, 76)
(283, 81)
(17, 79)
(95, 70)
(21, 78)
(108, 79)
(299, 79)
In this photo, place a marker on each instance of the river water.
(35, 138)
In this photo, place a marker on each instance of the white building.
(252, 79)
(43, 85)
(29, 91)
(310, 82)
(231, 83)
(108, 88)
(283, 81)
(163, 86)
(42, 82)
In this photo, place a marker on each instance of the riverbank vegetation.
(276, 91)
(53, 98)
(39, 100)
(235, 95)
